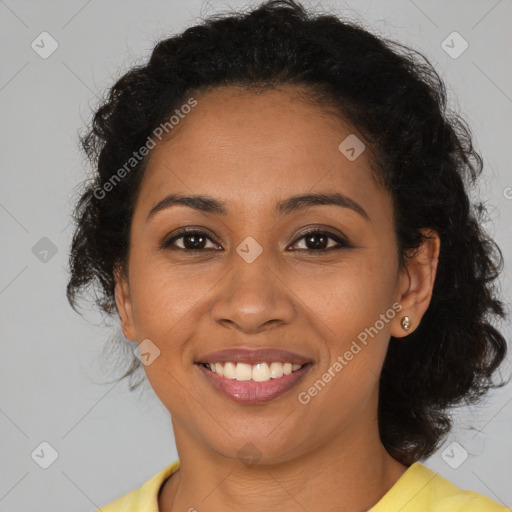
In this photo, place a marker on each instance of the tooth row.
(260, 372)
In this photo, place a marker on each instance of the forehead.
(247, 147)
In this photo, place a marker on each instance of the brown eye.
(191, 241)
(318, 241)
(314, 240)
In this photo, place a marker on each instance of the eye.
(317, 240)
(191, 240)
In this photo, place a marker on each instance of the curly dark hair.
(422, 153)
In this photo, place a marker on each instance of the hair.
(423, 154)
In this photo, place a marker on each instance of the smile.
(260, 372)
(251, 384)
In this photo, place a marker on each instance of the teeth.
(219, 369)
(276, 370)
(260, 372)
(243, 371)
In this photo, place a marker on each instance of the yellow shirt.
(418, 490)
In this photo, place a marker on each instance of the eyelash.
(342, 243)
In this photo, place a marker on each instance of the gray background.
(109, 441)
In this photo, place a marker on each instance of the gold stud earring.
(406, 323)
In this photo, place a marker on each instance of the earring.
(406, 323)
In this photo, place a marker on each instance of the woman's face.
(256, 281)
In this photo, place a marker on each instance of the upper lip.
(252, 356)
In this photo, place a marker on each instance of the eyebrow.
(295, 203)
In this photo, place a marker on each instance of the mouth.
(253, 376)
(260, 372)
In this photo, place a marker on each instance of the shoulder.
(422, 490)
(145, 498)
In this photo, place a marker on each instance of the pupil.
(314, 245)
(315, 241)
(195, 244)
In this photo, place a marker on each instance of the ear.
(124, 303)
(416, 283)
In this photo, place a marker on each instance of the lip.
(250, 392)
(252, 356)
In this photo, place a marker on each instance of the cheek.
(347, 296)
(167, 303)
(161, 296)
(353, 309)
(164, 307)
(356, 338)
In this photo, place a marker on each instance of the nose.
(253, 298)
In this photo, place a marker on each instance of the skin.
(251, 151)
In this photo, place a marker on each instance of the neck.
(351, 472)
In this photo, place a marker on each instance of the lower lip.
(250, 392)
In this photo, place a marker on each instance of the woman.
(280, 218)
